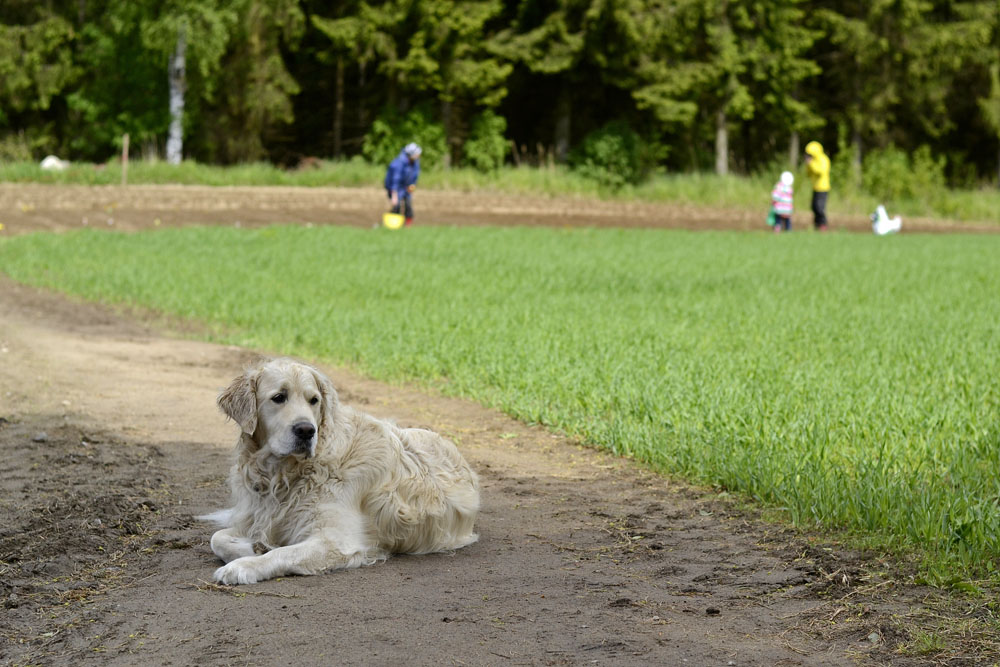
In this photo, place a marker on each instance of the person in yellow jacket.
(818, 168)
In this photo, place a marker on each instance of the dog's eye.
(314, 400)
(278, 398)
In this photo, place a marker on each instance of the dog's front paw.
(239, 571)
(229, 546)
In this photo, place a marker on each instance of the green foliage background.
(278, 80)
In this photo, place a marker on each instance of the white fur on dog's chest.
(283, 513)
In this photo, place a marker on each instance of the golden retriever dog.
(319, 486)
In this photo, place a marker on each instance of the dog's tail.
(222, 518)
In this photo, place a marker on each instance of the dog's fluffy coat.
(319, 486)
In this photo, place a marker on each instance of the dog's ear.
(239, 400)
(330, 399)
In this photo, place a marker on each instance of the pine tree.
(356, 36)
(448, 54)
(983, 40)
(36, 67)
(254, 86)
(731, 61)
(573, 46)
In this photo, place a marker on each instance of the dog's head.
(282, 405)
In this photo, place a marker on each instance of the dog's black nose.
(303, 431)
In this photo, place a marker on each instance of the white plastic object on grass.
(882, 224)
(52, 163)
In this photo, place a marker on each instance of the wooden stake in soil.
(125, 159)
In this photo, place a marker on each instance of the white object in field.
(882, 224)
(52, 163)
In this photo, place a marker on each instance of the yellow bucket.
(392, 220)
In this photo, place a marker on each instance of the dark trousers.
(783, 222)
(405, 203)
(819, 209)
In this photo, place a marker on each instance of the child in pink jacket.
(781, 201)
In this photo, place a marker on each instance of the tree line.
(630, 85)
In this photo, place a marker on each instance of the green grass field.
(849, 381)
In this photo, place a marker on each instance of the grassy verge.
(193, 173)
(696, 189)
(849, 381)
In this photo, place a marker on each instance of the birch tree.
(191, 37)
(177, 81)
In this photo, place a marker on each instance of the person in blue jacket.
(401, 180)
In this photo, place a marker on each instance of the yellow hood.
(818, 167)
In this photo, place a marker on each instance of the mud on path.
(34, 207)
